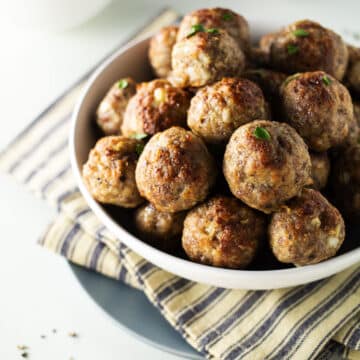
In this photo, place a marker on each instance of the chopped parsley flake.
(139, 148)
(139, 136)
(122, 84)
(292, 49)
(195, 29)
(261, 133)
(212, 31)
(326, 80)
(300, 33)
(227, 16)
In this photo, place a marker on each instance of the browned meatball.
(217, 110)
(161, 229)
(307, 46)
(352, 75)
(266, 163)
(307, 230)
(110, 113)
(260, 54)
(345, 182)
(109, 173)
(203, 58)
(320, 168)
(175, 171)
(319, 107)
(353, 135)
(223, 232)
(270, 83)
(156, 106)
(160, 49)
(217, 18)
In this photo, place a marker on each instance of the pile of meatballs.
(234, 147)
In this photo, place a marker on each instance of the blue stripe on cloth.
(194, 310)
(69, 237)
(54, 152)
(95, 255)
(35, 146)
(82, 213)
(174, 287)
(354, 339)
(291, 299)
(61, 173)
(242, 310)
(123, 273)
(329, 335)
(312, 318)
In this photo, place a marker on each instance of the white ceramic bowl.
(132, 61)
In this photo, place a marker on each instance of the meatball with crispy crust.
(217, 110)
(156, 106)
(345, 182)
(319, 107)
(161, 45)
(307, 46)
(217, 18)
(307, 230)
(352, 75)
(205, 57)
(266, 163)
(109, 173)
(175, 171)
(223, 232)
(270, 83)
(320, 169)
(161, 229)
(110, 113)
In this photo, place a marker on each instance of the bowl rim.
(195, 271)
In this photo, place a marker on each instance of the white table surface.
(38, 290)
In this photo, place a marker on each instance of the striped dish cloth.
(306, 322)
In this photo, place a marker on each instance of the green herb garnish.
(122, 84)
(261, 133)
(139, 136)
(227, 16)
(326, 80)
(301, 33)
(290, 78)
(139, 148)
(292, 49)
(195, 29)
(212, 31)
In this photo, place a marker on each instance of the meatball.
(217, 18)
(319, 107)
(161, 229)
(217, 110)
(110, 113)
(175, 171)
(307, 230)
(352, 75)
(205, 57)
(109, 173)
(156, 106)
(160, 49)
(320, 168)
(270, 83)
(223, 232)
(345, 182)
(353, 135)
(307, 46)
(266, 163)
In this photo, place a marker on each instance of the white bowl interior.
(132, 61)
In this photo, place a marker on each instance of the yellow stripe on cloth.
(291, 323)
